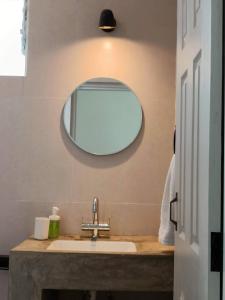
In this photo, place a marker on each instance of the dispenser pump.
(55, 216)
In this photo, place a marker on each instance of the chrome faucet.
(95, 226)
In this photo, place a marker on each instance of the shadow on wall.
(96, 161)
(104, 295)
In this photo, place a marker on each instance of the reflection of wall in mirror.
(106, 121)
(69, 116)
(73, 113)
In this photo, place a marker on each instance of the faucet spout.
(95, 218)
(95, 211)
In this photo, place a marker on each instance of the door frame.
(222, 282)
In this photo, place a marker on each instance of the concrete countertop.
(146, 245)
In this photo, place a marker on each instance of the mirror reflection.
(102, 116)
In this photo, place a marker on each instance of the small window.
(12, 37)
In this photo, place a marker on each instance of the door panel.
(183, 144)
(195, 153)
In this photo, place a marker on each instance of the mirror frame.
(138, 131)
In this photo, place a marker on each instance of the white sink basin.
(92, 246)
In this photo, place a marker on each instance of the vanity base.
(34, 269)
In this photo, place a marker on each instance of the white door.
(198, 146)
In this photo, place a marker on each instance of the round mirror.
(102, 116)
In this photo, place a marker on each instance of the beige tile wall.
(39, 166)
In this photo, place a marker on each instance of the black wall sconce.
(107, 21)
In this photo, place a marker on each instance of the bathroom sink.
(93, 246)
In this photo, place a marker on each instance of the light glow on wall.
(107, 45)
(12, 61)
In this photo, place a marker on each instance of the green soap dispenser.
(54, 225)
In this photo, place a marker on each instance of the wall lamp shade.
(107, 21)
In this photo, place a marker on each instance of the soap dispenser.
(54, 225)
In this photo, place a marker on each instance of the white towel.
(166, 230)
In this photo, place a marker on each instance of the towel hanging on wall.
(166, 230)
